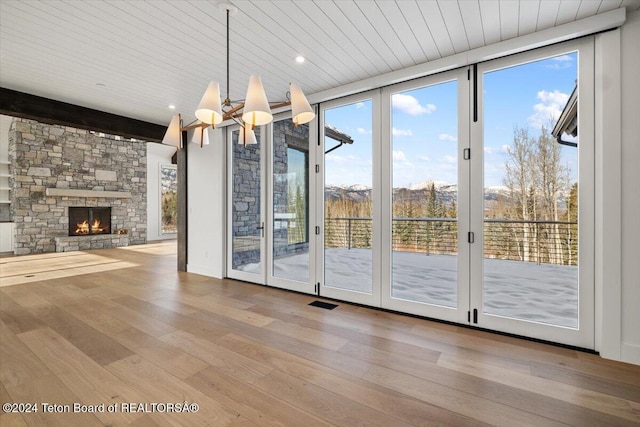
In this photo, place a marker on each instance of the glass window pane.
(290, 201)
(425, 194)
(245, 205)
(531, 193)
(348, 257)
(168, 199)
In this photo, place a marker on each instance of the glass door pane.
(530, 194)
(290, 240)
(348, 201)
(247, 227)
(424, 146)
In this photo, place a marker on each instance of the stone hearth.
(83, 243)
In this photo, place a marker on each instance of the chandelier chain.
(227, 102)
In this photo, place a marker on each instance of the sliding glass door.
(426, 223)
(467, 196)
(533, 194)
(349, 198)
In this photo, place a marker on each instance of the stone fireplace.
(62, 177)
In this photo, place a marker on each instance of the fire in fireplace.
(86, 221)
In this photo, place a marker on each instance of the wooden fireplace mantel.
(69, 192)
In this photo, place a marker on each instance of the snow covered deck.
(538, 292)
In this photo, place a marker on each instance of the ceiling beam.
(45, 110)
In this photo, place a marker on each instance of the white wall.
(6, 228)
(617, 196)
(157, 155)
(206, 206)
(630, 265)
(5, 123)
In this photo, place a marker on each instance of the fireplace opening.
(87, 221)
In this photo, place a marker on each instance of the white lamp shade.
(300, 109)
(173, 135)
(210, 108)
(200, 136)
(246, 136)
(256, 110)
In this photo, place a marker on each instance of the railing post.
(538, 242)
(349, 233)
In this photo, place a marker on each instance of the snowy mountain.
(445, 192)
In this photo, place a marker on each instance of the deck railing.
(548, 242)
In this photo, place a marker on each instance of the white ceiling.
(150, 54)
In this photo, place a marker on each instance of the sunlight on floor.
(15, 270)
(162, 248)
(34, 271)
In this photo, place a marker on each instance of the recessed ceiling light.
(299, 59)
(172, 107)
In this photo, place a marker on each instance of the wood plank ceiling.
(135, 58)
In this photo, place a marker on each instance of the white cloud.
(447, 137)
(561, 62)
(424, 158)
(335, 158)
(497, 150)
(549, 109)
(563, 58)
(360, 105)
(363, 131)
(410, 105)
(401, 132)
(449, 159)
(401, 164)
(399, 156)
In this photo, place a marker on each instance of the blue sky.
(424, 123)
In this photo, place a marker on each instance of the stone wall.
(51, 156)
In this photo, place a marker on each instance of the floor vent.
(324, 305)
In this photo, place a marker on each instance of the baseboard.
(203, 271)
(630, 353)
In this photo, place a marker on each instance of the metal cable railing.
(543, 242)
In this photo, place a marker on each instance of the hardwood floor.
(122, 326)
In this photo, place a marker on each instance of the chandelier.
(254, 110)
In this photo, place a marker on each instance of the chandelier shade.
(200, 136)
(173, 135)
(301, 111)
(210, 108)
(256, 110)
(246, 136)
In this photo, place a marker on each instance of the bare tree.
(537, 183)
(551, 180)
(518, 179)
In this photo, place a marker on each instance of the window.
(168, 199)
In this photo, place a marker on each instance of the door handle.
(261, 228)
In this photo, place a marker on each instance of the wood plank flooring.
(121, 326)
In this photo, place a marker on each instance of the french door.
(270, 236)
(378, 244)
(532, 193)
(349, 199)
(466, 196)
